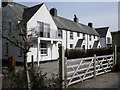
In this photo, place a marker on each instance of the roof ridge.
(35, 6)
(102, 27)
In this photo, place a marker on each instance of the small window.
(83, 36)
(71, 35)
(90, 37)
(83, 47)
(43, 48)
(94, 36)
(90, 46)
(6, 48)
(78, 34)
(108, 40)
(71, 46)
(60, 33)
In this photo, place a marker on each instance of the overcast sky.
(101, 14)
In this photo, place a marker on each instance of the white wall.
(43, 15)
(73, 41)
(108, 35)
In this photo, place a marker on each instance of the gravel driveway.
(109, 80)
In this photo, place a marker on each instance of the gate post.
(62, 67)
(115, 54)
(13, 65)
(94, 65)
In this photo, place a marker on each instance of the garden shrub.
(75, 53)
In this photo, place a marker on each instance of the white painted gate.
(84, 68)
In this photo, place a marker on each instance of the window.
(44, 29)
(83, 47)
(94, 36)
(71, 46)
(60, 33)
(90, 46)
(78, 34)
(43, 48)
(83, 36)
(90, 37)
(20, 49)
(108, 40)
(6, 48)
(71, 35)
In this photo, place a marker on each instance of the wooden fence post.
(62, 67)
(94, 65)
(32, 61)
(13, 65)
(115, 54)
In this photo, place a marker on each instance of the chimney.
(53, 12)
(6, 2)
(90, 24)
(75, 19)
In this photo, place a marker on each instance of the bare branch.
(13, 42)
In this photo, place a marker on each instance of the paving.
(109, 80)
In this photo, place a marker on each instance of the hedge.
(75, 53)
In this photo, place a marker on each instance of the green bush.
(75, 53)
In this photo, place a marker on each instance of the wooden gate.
(84, 68)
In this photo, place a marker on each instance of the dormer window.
(71, 35)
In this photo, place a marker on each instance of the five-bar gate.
(84, 68)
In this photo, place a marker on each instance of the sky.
(101, 14)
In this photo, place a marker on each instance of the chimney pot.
(75, 19)
(90, 24)
(6, 2)
(53, 12)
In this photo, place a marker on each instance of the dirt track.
(109, 80)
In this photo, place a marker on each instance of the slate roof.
(102, 31)
(79, 43)
(24, 13)
(95, 44)
(67, 24)
(17, 9)
(29, 12)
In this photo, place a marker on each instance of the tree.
(18, 35)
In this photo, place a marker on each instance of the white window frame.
(108, 40)
(60, 33)
(71, 35)
(90, 37)
(43, 49)
(71, 45)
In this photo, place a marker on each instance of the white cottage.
(105, 36)
(47, 31)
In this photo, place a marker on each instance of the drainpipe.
(38, 51)
(66, 42)
(51, 49)
(87, 41)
